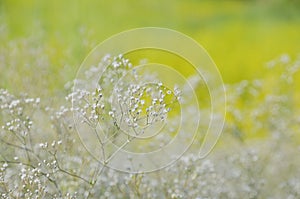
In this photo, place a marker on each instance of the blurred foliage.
(44, 42)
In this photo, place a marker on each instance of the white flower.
(111, 114)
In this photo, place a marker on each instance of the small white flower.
(111, 114)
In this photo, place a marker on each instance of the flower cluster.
(121, 99)
(42, 157)
(141, 106)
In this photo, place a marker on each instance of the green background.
(44, 42)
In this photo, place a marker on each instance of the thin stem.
(17, 146)
(68, 172)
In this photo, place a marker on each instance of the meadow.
(256, 46)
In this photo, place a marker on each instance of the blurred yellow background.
(241, 36)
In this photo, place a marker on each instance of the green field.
(240, 36)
